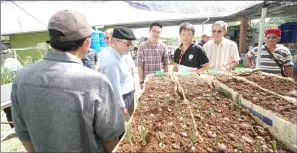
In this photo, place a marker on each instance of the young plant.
(6, 76)
(142, 133)
(157, 100)
(167, 99)
(274, 146)
(192, 135)
(129, 133)
(217, 140)
(238, 148)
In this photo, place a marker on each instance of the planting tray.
(283, 130)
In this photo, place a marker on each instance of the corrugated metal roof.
(14, 20)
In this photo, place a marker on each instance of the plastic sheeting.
(15, 20)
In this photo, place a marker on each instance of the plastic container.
(95, 43)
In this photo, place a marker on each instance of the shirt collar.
(62, 56)
(221, 43)
(117, 54)
(189, 46)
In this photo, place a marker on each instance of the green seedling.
(6, 76)
(129, 133)
(217, 140)
(274, 146)
(166, 100)
(192, 135)
(142, 134)
(238, 148)
(157, 100)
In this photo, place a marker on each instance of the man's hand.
(126, 114)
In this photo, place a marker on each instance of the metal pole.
(261, 34)
(203, 24)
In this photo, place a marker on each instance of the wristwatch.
(141, 82)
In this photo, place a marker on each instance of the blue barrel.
(101, 39)
(95, 43)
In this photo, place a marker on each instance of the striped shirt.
(268, 65)
(221, 55)
(152, 59)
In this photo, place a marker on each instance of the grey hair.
(186, 26)
(222, 24)
(110, 30)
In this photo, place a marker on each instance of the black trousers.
(129, 102)
(8, 115)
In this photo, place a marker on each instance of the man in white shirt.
(222, 53)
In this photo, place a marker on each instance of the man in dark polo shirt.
(189, 57)
(59, 105)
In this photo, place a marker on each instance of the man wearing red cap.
(275, 58)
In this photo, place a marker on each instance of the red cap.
(274, 31)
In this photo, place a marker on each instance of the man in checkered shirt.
(152, 55)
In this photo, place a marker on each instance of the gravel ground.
(11, 143)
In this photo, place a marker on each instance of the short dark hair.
(63, 45)
(186, 26)
(158, 24)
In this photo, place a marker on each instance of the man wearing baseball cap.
(114, 66)
(275, 58)
(58, 104)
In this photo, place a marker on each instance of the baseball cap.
(72, 24)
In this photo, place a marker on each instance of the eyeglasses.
(219, 31)
(128, 43)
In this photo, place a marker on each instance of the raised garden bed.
(282, 86)
(221, 121)
(276, 104)
(205, 122)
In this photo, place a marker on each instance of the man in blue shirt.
(115, 67)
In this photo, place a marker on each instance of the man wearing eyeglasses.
(152, 55)
(275, 58)
(115, 67)
(222, 53)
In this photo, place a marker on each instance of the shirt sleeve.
(202, 58)
(112, 71)
(165, 57)
(252, 53)
(140, 60)
(288, 58)
(235, 53)
(109, 121)
(18, 121)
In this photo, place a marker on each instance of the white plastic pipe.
(261, 35)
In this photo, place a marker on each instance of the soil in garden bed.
(280, 106)
(280, 86)
(221, 121)
(160, 118)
